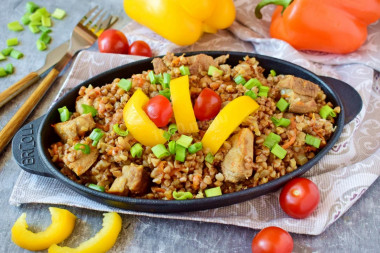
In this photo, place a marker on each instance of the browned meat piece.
(83, 162)
(233, 166)
(159, 66)
(74, 128)
(221, 59)
(134, 179)
(200, 62)
(168, 58)
(299, 86)
(300, 94)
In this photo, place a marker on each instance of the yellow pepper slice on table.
(62, 225)
(182, 106)
(101, 242)
(182, 22)
(228, 119)
(138, 123)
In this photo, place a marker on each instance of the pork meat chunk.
(300, 93)
(83, 162)
(233, 166)
(134, 179)
(75, 128)
(199, 63)
(159, 66)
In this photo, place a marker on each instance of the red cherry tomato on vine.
(139, 47)
(299, 198)
(207, 105)
(113, 41)
(159, 110)
(272, 240)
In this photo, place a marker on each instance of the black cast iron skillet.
(30, 144)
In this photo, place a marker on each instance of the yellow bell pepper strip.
(101, 242)
(62, 225)
(227, 120)
(182, 22)
(138, 123)
(182, 106)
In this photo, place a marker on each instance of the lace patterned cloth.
(342, 176)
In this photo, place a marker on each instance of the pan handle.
(352, 102)
(25, 152)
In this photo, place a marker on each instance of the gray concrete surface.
(356, 231)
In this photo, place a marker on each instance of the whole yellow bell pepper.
(62, 224)
(138, 123)
(227, 120)
(184, 21)
(182, 106)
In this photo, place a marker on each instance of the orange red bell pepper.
(333, 26)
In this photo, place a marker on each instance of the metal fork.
(84, 35)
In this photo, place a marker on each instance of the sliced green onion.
(58, 13)
(118, 130)
(125, 84)
(46, 21)
(213, 192)
(35, 17)
(172, 129)
(7, 51)
(12, 42)
(271, 140)
(41, 45)
(172, 146)
(327, 111)
(195, 147)
(282, 105)
(96, 187)
(278, 151)
(9, 68)
(16, 54)
(280, 122)
(273, 72)
(184, 141)
(64, 113)
(136, 150)
(252, 83)
(82, 147)
(209, 158)
(184, 70)
(25, 19)
(313, 141)
(96, 135)
(35, 23)
(167, 135)
(165, 93)
(251, 94)
(31, 7)
(182, 195)
(45, 37)
(2, 57)
(152, 77)
(43, 12)
(160, 151)
(15, 26)
(44, 29)
(3, 72)
(213, 69)
(263, 91)
(166, 80)
(180, 153)
(34, 28)
(89, 109)
(239, 80)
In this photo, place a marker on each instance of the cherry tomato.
(299, 198)
(113, 41)
(159, 110)
(207, 105)
(139, 47)
(272, 240)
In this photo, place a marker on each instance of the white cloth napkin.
(342, 176)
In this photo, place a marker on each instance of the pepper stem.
(283, 3)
